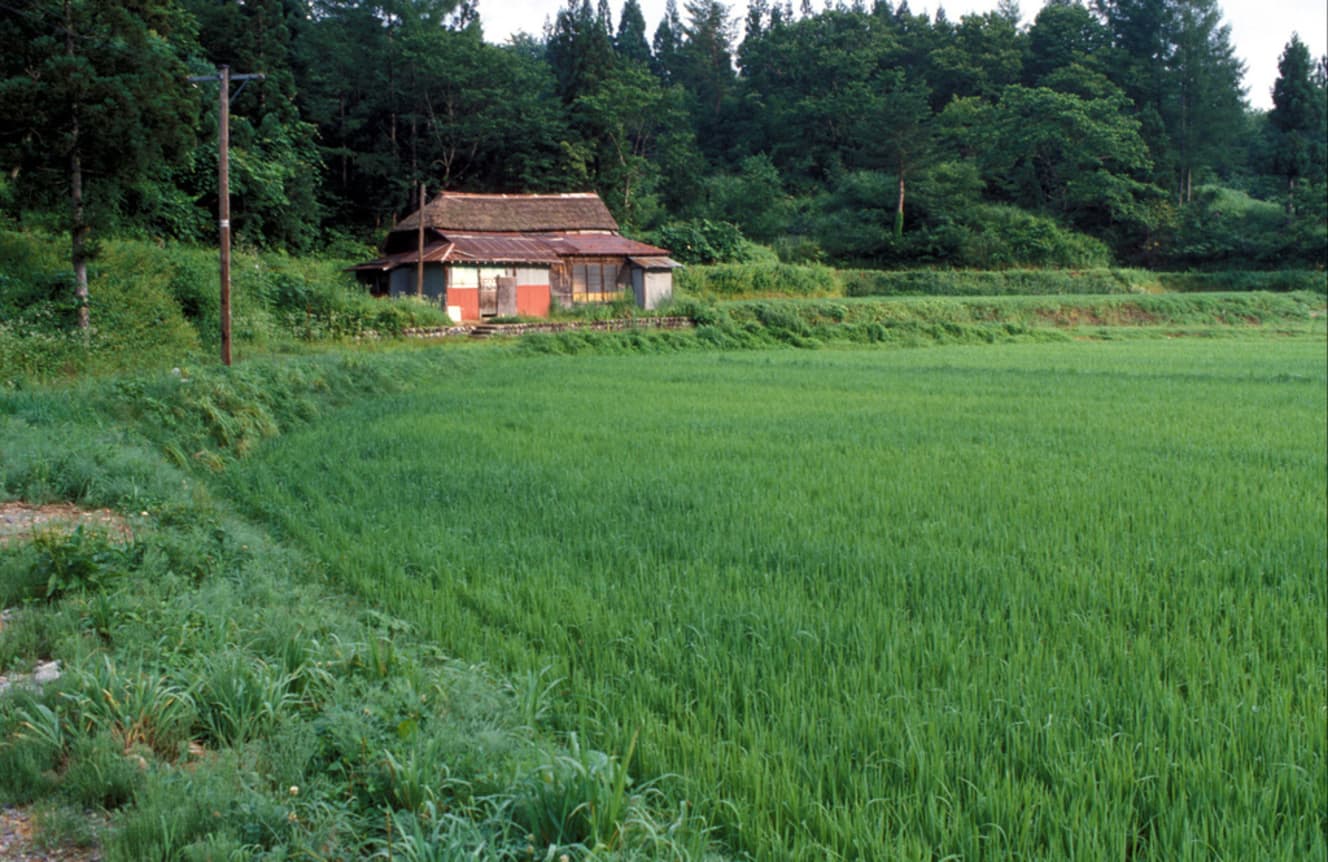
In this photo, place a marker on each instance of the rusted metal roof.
(433, 253)
(376, 265)
(481, 248)
(499, 248)
(600, 245)
(513, 229)
(655, 262)
(455, 211)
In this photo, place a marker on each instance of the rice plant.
(1050, 600)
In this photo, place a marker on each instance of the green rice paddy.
(1039, 601)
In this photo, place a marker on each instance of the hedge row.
(756, 280)
(1013, 282)
(754, 324)
(1280, 281)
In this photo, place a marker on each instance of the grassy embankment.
(741, 281)
(1045, 600)
(221, 700)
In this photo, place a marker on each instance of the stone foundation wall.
(513, 329)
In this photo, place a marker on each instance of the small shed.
(503, 255)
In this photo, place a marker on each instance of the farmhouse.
(500, 255)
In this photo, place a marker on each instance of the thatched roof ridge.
(455, 211)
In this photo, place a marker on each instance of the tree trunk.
(341, 136)
(419, 249)
(78, 228)
(899, 208)
(78, 232)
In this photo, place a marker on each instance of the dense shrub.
(997, 237)
(136, 321)
(732, 281)
(1224, 227)
(945, 225)
(158, 305)
(753, 199)
(703, 241)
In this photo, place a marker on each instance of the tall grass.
(1047, 600)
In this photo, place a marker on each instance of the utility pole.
(224, 191)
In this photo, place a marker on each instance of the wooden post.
(224, 191)
(224, 210)
(419, 265)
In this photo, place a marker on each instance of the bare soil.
(18, 843)
(19, 521)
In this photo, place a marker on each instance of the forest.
(1116, 132)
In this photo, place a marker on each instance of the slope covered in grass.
(220, 700)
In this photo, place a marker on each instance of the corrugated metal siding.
(658, 288)
(560, 281)
(532, 275)
(403, 281)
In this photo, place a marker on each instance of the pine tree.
(580, 50)
(1297, 120)
(707, 52)
(1175, 62)
(630, 41)
(667, 41)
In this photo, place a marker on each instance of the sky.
(1260, 29)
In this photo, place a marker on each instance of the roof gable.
(453, 211)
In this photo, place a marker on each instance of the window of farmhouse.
(595, 282)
